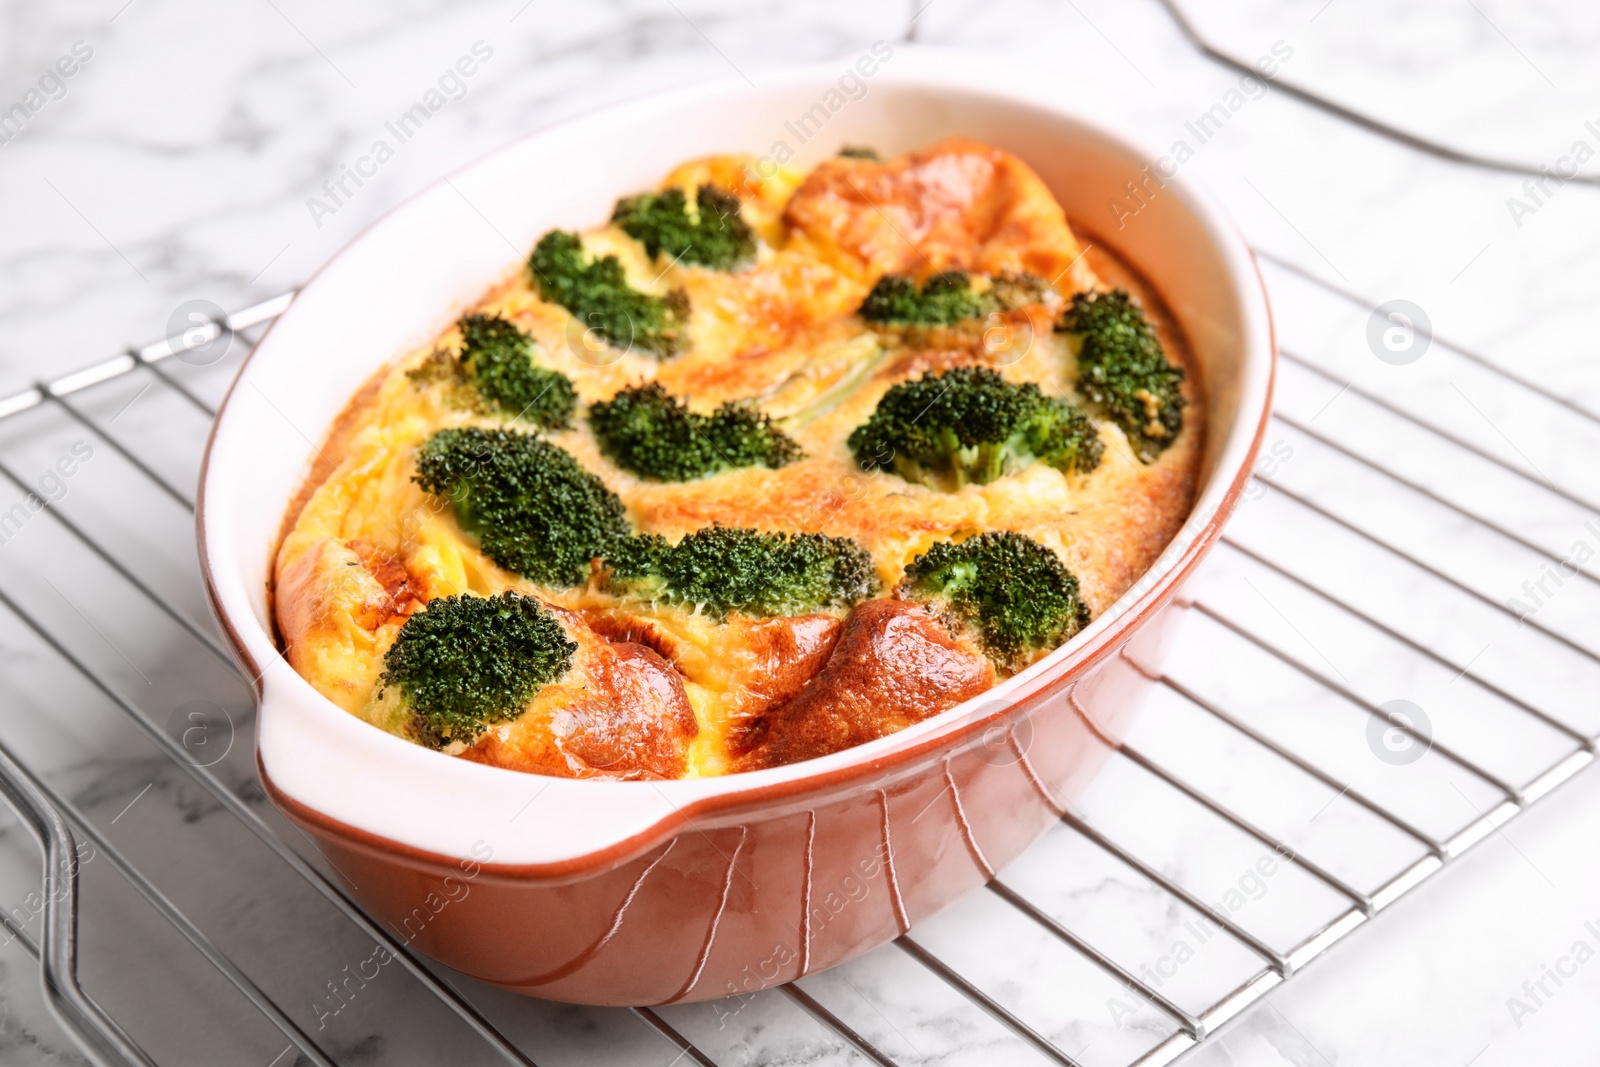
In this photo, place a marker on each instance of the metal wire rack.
(1250, 784)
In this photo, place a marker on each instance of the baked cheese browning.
(325, 605)
(737, 671)
(399, 596)
(778, 658)
(704, 681)
(621, 711)
(894, 664)
(1000, 339)
(956, 205)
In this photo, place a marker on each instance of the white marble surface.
(178, 164)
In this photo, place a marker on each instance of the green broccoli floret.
(534, 509)
(598, 295)
(1014, 592)
(466, 662)
(499, 359)
(712, 236)
(722, 569)
(943, 300)
(971, 425)
(652, 433)
(1122, 369)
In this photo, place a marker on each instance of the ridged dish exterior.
(732, 907)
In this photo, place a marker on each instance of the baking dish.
(613, 892)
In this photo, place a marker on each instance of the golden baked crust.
(661, 692)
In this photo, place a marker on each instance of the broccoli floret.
(598, 295)
(650, 432)
(1122, 369)
(971, 425)
(1014, 592)
(713, 236)
(534, 509)
(943, 300)
(722, 569)
(499, 358)
(466, 662)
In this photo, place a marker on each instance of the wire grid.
(1241, 824)
(1143, 766)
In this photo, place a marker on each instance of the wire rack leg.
(106, 1043)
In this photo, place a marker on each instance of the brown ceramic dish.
(615, 892)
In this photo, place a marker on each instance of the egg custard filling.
(767, 466)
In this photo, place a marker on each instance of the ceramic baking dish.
(637, 892)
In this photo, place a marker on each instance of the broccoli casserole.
(769, 465)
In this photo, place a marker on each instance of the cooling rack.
(1269, 801)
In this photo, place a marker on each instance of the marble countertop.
(186, 155)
